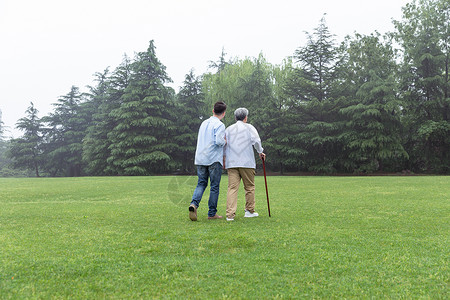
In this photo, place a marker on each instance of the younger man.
(208, 159)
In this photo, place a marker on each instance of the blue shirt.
(210, 142)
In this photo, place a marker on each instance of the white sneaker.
(250, 215)
(228, 219)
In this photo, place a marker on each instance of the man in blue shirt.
(208, 159)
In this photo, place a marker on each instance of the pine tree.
(190, 113)
(312, 88)
(63, 142)
(317, 62)
(221, 63)
(142, 140)
(424, 36)
(373, 129)
(26, 151)
(107, 97)
(95, 143)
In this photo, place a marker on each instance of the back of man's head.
(219, 108)
(240, 113)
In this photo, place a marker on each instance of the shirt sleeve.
(226, 143)
(219, 136)
(256, 140)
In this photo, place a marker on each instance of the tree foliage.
(424, 36)
(26, 151)
(189, 111)
(372, 114)
(64, 134)
(142, 141)
(373, 103)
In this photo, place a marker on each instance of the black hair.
(220, 107)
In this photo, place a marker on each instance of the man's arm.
(219, 137)
(256, 140)
(224, 150)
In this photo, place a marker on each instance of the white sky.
(49, 45)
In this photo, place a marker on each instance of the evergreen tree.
(98, 141)
(63, 139)
(317, 63)
(373, 129)
(142, 140)
(95, 143)
(221, 63)
(190, 112)
(316, 107)
(5, 160)
(26, 151)
(119, 81)
(424, 35)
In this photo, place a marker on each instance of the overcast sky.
(49, 45)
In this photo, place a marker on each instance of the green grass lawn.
(131, 237)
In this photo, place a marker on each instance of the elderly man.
(239, 160)
(208, 159)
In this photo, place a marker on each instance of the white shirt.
(241, 138)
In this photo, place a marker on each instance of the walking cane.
(265, 180)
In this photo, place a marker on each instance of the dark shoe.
(193, 212)
(215, 217)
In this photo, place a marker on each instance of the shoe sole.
(192, 213)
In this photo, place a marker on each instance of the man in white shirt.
(208, 159)
(239, 160)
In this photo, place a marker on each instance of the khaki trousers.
(234, 180)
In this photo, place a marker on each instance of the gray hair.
(240, 113)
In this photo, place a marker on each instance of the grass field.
(130, 237)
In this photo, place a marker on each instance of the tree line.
(372, 103)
